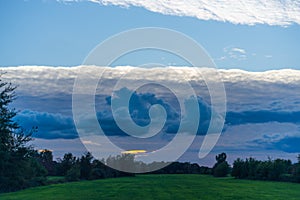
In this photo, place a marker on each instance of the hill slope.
(162, 187)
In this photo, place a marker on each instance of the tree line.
(273, 170)
(250, 168)
(88, 168)
(79, 168)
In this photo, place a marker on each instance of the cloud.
(262, 116)
(270, 90)
(253, 98)
(239, 50)
(260, 137)
(282, 140)
(50, 125)
(272, 12)
(262, 107)
(55, 125)
(139, 106)
(289, 144)
(234, 53)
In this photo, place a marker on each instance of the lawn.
(162, 187)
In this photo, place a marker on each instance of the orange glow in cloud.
(134, 151)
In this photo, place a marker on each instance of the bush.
(221, 170)
(73, 174)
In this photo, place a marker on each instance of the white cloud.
(272, 12)
(235, 53)
(89, 142)
(245, 90)
(239, 50)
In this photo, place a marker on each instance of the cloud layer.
(246, 91)
(272, 12)
(263, 108)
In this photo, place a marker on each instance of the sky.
(254, 45)
(62, 33)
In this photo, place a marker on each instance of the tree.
(278, 168)
(221, 168)
(73, 174)
(7, 125)
(86, 166)
(221, 157)
(66, 164)
(45, 157)
(275, 170)
(124, 162)
(296, 170)
(99, 170)
(18, 167)
(237, 169)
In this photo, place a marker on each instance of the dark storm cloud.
(140, 104)
(288, 144)
(53, 126)
(262, 116)
(50, 126)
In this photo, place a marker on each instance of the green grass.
(162, 187)
(55, 178)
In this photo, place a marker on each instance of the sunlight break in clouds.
(272, 12)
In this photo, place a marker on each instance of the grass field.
(55, 178)
(162, 187)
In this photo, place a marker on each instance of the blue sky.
(55, 33)
(263, 106)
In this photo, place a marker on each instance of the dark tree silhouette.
(86, 166)
(18, 167)
(65, 164)
(45, 157)
(274, 170)
(221, 157)
(221, 168)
